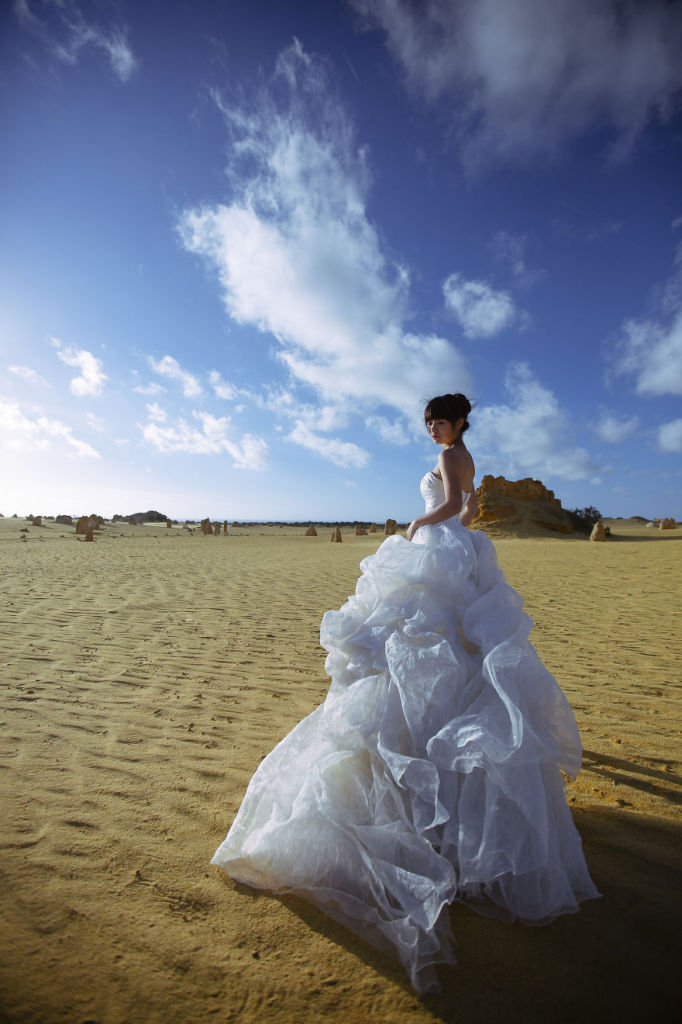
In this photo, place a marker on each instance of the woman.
(431, 773)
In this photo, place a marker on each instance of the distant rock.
(90, 534)
(311, 532)
(391, 527)
(667, 524)
(372, 527)
(64, 520)
(206, 527)
(519, 508)
(360, 531)
(82, 525)
(336, 535)
(152, 516)
(598, 531)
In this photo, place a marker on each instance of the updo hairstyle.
(450, 408)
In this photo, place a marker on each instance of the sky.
(244, 241)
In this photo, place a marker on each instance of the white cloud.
(342, 453)
(65, 32)
(169, 367)
(211, 438)
(670, 436)
(150, 389)
(221, 388)
(298, 257)
(94, 422)
(530, 435)
(613, 430)
(23, 433)
(26, 373)
(481, 310)
(156, 414)
(525, 77)
(651, 350)
(394, 433)
(91, 378)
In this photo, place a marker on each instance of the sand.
(143, 678)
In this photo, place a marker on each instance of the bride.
(431, 772)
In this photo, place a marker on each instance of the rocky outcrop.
(336, 535)
(64, 520)
(360, 531)
(311, 532)
(519, 508)
(372, 527)
(391, 527)
(206, 527)
(82, 525)
(90, 534)
(598, 531)
(667, 524)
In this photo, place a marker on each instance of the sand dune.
(143, 678)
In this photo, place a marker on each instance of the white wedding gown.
(431, 771)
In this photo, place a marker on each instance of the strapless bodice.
(433, 491)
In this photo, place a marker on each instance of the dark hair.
(450, 408)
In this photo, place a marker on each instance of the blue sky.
(243, 242)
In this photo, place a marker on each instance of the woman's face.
(443, 431)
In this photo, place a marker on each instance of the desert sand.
(143, 678)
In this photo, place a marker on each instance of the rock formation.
(598, 531)
(311, 532)
(216, 529)
(225, 527)
(37, 520)
(360, 531)
(372, 527)
(82, 525)
(336, 535)
(522, 508)
(668, 524)
(206, 527)
(90, 534)
(390, 527)
(64, 520)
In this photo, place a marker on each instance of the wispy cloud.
(510, 251)
(95, 422)
(169, 367)
(529, 435)
(481, 310)
(150, 389)
(65, 32)
(670, 436)
(298, 256)
(27, 374)
(650, 349)
(213, 436)
(342, 453)
(614, 429)
(90, 380)
(22, 432)
(393, 432)
(525, 77)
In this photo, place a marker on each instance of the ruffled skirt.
(431, 773)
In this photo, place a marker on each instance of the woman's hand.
(412, 529)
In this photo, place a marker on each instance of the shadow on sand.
(614, 961)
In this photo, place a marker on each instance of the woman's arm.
(448, 464)
(470, 509)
